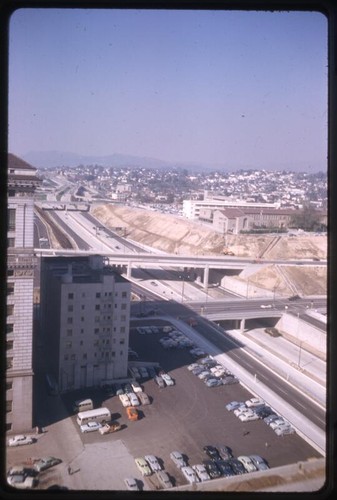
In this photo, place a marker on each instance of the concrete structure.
(21, 262)
(85, 313)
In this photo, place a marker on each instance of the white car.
(167, 379)
(178, 459)
(247, 463)
(204, 374)
(201, 472)
(241, 409)
(192, 366)
(136, 387)
(283, 430)
(190, 474)
(153, 463)
(264, 306)
(20, 440)
(279, 422)
(254, 402)
(248, 416)
(90, 427)
(124, 398)
(22, 481)
(133, 399)
(131, 484)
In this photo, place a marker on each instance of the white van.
(83, 405)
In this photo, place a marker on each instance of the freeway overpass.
(150, 260)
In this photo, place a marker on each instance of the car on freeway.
(144, 398)
(44, 463)
(247, 463)
(225, 468)
(167, 379)
(20, 440)
(259, 462)
(233, 405)
(248, 416)
(225, 452)
(212, 452)
(212, 469)
(131, 484)
(178, 459)
(254, 402)
(283, 430)
(90, 427)
(229, 380)
(237, 466)
(153, 463)
(143, 466)
(213, 382)
(124, 399)
(22, 481)
(159, 381)
(266, 306)
(164, 479)
(294, 297)
(190, 474)
(271, 418)
(201, 472)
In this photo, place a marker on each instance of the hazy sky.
(242, 89)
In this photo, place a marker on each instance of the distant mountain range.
(49, 159)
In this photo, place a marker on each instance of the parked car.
(133, 399)
(153, 463)
(212, 469)
(213, 382)
(263, 411)
(192, 366)
(212, 452)
(178, 459)
(248, 416)
(22, 469)
(225, 452)
(143, 372)
(108, 428)
(20, 440)
(22, 481)
(225, 468)
(247, 463)
(127, 388)
(164, 479)
(259, 462)
(233, 405)
(279, 422)
(45, 463)
(201, 472)
(240, 410)
(271, 418)
(190, 474)
(136, 386)
(254, 402)
(198, 369)
(143, 466)
(159, 381)
(119, 389)
(151, 371)
(131, 484)
(204, 374)
(144, 398)
(90, 427)
(124, 398)
(282, 430)
(132, 413)
(237, 466)
(167, 379)
(229, 380)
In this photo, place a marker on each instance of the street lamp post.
(299, 341)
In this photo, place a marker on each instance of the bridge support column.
(206, 276)
(242, 325)
(129, 270)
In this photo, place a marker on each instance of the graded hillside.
(173, 234)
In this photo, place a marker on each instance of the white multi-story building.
(21, 262)
(192, 208)
(85, 316)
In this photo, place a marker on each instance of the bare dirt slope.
(177, 235)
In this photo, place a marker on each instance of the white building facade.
(85, 316)
(21, 263)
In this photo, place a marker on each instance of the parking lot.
(183, 417)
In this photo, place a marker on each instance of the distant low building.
(85, 315)
(230, 220)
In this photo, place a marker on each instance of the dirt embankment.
(176, 235)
